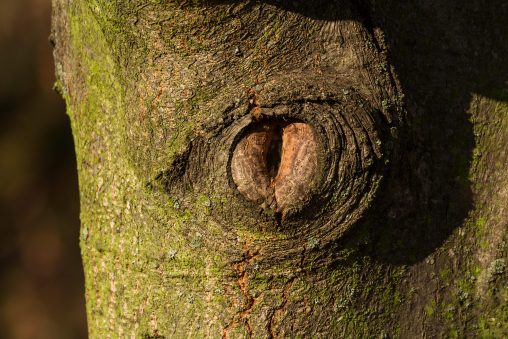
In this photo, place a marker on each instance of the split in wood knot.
(275, 163)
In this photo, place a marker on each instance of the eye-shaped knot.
(275, 164)
(314, 163)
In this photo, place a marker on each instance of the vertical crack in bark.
(279, 216)
(243, 282)
(280, 309)
(302, 260)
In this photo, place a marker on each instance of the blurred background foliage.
(41, 276)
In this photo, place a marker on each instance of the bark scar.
(280, 309)
(243, 284)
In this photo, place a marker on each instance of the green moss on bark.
(159, 264)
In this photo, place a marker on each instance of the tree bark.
(273, 169)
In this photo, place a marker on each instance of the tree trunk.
(295, 169)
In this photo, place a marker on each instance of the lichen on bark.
(407, 236)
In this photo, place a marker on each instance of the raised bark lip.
(352, 159)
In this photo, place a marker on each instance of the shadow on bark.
(443, 53)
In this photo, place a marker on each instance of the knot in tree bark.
(275, 164)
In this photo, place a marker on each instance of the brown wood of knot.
(275, 163)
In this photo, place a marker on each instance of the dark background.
(41, 276)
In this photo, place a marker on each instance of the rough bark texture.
(402, 231)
